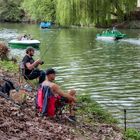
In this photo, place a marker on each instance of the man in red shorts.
(49, 94)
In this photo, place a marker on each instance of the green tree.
(79, 12)
(10, 10)
(86, 12)
(40, 9)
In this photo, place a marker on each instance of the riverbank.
(23, 123)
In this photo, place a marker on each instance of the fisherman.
(49, 93)
(24, 37)
(31, 70)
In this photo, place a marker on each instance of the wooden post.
(125, 119)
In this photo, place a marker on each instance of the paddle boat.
(111, 35)
(22, 44)
(44, 25)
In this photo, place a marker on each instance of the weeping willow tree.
(86, 12)
(79, 12)
(74, 12)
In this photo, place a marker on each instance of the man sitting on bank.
(49, 93)
(30, 66)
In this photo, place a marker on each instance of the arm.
(33, 65)
(57, 90)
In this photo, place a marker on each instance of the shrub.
(3, 51)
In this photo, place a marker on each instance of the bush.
(3, 51)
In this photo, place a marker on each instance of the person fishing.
(49, 93)
(31, 70)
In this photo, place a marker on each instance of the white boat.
(105, 38)
(15, 43)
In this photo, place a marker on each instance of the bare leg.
(71, 109)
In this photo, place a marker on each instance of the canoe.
(23, 43)
(111, 35)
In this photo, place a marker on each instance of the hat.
(50, 71)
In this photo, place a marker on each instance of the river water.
(107, 71)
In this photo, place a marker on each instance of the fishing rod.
(48, 46)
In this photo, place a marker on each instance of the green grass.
(132, 134)
(93, 112)
(9, 66)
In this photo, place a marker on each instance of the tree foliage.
(42, 10)
(68, 12)
(10, 10)
(86, 12)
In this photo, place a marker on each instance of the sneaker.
(41, 115)
(72, 118)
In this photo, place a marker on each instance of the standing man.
(30, 66)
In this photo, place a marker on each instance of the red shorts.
(51, 106)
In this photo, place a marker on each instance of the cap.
(50, 71)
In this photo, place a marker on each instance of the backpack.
(45, 101)
(6, 86)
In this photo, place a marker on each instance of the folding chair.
(23, 78)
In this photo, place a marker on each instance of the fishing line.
(48, 47)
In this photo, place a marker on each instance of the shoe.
(41, 115)
(72, 118)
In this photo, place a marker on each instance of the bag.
(40, 98)
(6, 86)
(45, 101)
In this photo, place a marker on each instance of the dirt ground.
(23, 123)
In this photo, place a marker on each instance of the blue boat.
(44, 25)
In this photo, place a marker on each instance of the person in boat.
(24, 37)
(108, 30)
(31, 70)
(29, 37)
(42, 24)
(52, 94)
(114, 30)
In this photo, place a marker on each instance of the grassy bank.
(9, 66)
(93, 112)
(92, 119)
